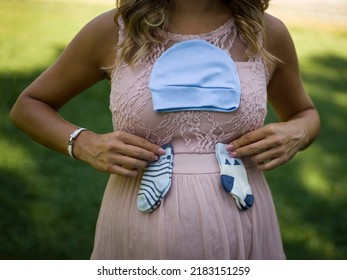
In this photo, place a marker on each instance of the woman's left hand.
(270, 146)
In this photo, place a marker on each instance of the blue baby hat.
(195, 75)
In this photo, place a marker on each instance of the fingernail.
(233, 154)
(156, 158)
(162, 151)
(229, 147)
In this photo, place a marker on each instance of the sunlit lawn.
(49, 203)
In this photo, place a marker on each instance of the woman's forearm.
(116, 152)
(42, 123)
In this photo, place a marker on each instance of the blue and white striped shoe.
(156, 181)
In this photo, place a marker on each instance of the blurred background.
(49, 203)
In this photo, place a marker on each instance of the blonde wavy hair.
(145, 19)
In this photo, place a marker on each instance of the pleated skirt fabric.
(197, 220)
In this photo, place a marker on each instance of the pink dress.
(197, 219)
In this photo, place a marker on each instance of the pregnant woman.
(190, 83)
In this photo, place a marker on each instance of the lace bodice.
(189, 131)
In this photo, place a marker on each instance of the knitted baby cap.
(195, 75)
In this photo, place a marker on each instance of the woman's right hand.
(118, 152)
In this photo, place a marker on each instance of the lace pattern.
(189, 131)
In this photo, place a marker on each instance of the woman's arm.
(276, 143)
(80, 66)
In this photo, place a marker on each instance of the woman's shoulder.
(96, 41)
(98, 32)
(273, 24)
(103, 26)
(278, 39)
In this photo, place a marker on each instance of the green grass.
(49, 203)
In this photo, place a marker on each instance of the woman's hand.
(117, 152)
(272, 145)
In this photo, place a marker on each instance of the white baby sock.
(234, 178)
(156, 181)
